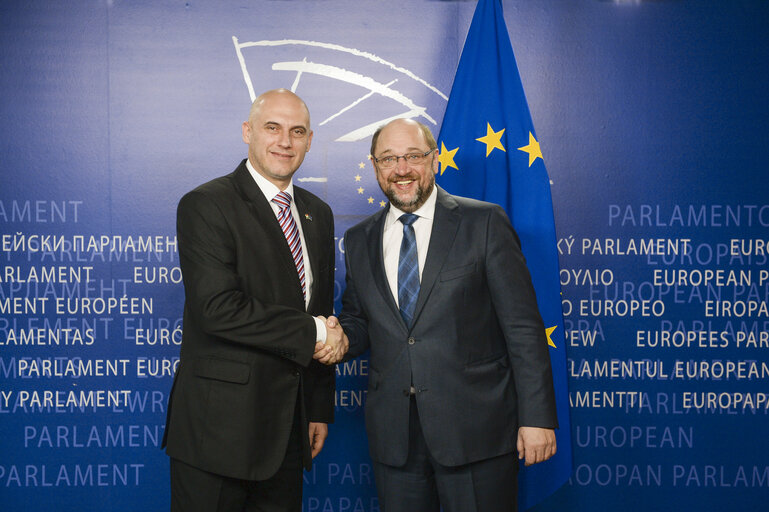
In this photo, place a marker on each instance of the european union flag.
(489, 150)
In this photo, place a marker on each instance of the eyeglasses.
(389, 161)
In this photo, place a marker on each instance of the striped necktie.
(291, 232)
(408, 270)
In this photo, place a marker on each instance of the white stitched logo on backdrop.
(349, 93)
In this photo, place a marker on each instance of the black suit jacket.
(247, 345)
(477, 351)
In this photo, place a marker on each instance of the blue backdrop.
(652, 121)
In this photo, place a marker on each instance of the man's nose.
(285, 139)
(401, 166)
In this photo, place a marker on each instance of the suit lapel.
(311, 231)
(374, 233)
(445, 224)
(265, 216)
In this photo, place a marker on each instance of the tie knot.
(408, 219)
(282, 199)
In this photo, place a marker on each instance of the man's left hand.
(536, 444)
(318, 435)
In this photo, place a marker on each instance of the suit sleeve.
(352, 317)
(214, 294)
(515, 302)
(321, 379)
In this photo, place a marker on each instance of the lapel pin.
(308, 217)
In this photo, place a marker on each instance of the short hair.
(425, 132)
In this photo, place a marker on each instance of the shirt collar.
(426, 211)
(266, 186)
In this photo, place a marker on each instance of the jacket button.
(412, 341)
(406, 392)
(295, 373)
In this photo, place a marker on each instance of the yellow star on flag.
(382, 204)
(361, 165)
(446, 158)
(492, 139)
(548, 332)
(532, 149)
(360, 190)
(370, 200)
(358, 177)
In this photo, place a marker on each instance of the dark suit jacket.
(246, 354)
(477, 352)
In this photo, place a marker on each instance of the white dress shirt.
(270, 191)
(393, 236)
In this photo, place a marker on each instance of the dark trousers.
(423, 485)
(194, 490)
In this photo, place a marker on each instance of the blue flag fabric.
(489, 151)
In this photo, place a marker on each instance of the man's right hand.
(336, 344)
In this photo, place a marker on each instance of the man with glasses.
(460, 378)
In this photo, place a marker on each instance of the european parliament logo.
(350, 93)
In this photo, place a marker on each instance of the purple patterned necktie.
(288, 225)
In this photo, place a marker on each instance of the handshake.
(336, 345)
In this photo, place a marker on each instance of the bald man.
(249, 407)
